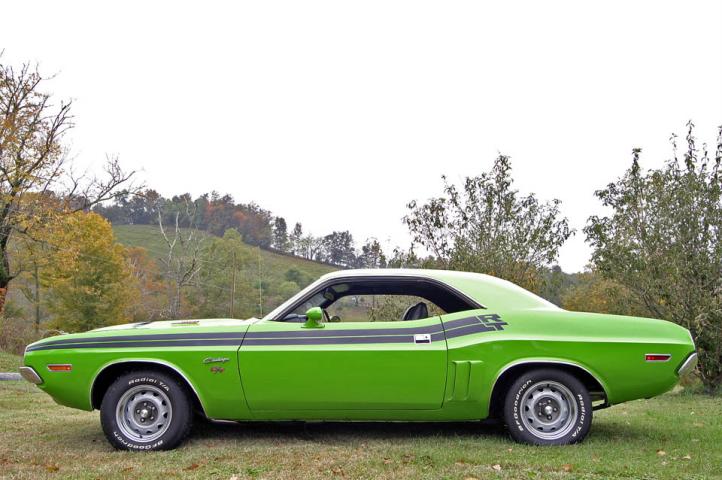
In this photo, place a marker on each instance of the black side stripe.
(452, 329)
(431, 329)
(338, 340)
(162, 336)
(159, 343)
(366, 332)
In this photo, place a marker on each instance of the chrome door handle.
(422, 338)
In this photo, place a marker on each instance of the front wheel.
(146, 410)
(548, 407)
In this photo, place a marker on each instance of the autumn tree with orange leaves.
(34, 163)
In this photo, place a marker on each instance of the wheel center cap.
(144, 413)
(548, 410)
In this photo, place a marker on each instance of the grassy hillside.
(149, 237)
(268, 266)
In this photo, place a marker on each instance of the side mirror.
(313, 318)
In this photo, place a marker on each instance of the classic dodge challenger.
(386, 345)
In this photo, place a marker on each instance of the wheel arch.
(506, 376)
(106, 374)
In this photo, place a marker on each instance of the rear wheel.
(146, 410)
(548, 407)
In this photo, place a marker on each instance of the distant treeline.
(216, 213)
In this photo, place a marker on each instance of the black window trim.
(385, 278)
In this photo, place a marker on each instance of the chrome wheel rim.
(144, 413)
(549, 410)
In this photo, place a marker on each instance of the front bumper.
(688, 365)
(29, 374)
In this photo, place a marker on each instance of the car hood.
(152, 328)
(175, 324)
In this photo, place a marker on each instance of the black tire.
(535, 406)
(151, 392)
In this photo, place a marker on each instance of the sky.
(337, 114)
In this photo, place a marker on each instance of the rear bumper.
(688, 365)
(29, 374)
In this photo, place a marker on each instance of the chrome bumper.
(688, 365)
(29, 374)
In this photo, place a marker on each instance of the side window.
(379, 300)
(381, 308)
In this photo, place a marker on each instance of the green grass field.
(674, 436)
(9, 362)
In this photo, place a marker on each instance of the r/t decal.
(493, 321)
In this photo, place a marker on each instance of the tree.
(594, 293)
(338, 248)
(295, 239)
(489, 227)
(183, 260)
(372, 255)
(663, 242)
(224, 289)
(150, 301)
(33, 163)
(310, 247)
(296, 276)
(88, 277)
(280, 234)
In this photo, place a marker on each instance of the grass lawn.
(673, 436)
(9, 362)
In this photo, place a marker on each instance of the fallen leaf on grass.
(567, 467)
(496, 467)
(192, 466)
(470, 478)
(387, 461)
(52, 468)
(661, 453)
(687, 457)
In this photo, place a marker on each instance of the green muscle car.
(368, 345)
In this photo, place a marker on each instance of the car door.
(378, 365)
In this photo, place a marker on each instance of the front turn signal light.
(60, 367)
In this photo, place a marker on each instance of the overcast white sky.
(337, 114)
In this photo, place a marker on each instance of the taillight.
(657, 357)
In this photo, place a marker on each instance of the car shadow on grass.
(350, 432)
(339, 432)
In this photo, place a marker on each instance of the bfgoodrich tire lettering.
(548, 407)
(146, 410)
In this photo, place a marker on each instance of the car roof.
(490, 291)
